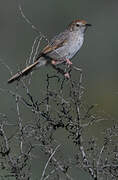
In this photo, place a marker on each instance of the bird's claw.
(53, 62)
(66, 75)
(68, 62)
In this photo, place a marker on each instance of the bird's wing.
(56, 42)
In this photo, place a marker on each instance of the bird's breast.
(74, 46)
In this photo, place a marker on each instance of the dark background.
(97, 57)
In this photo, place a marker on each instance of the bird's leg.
(55, 62)
(65, 74)
(68, 62)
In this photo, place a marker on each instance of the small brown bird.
(60, 49)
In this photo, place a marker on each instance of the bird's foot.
(53, 62)
(66, 75)
(68, 62)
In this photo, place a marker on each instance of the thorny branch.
(53, 111)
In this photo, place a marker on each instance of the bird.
(61, 49)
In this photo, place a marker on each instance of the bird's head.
(78, 25)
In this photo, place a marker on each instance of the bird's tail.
(26, 71)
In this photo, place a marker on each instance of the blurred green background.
(98, 57)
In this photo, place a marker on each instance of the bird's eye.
(77, 25)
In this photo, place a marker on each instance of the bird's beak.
(88, 25)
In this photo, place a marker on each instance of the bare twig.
(52, 154)
(6, 66)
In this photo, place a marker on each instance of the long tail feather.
(24, 72)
